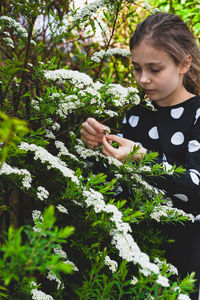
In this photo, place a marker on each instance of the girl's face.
(158, 75)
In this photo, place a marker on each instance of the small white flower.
(39, 295)
(98, 56)
(52, 276)
(8, 170)
(88, 10)
(62, 209)
(183, 297)
(16, 26)
(134, 280)
(59, 251)
(163, 281)
(112, 264)
(49, 134)
(42, 193)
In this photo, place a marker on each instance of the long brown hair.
(168, 32)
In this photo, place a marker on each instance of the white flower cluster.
(59, 251)
(121, 239)
(55, 126)
(35, 105)
(144, 169)
(162, 281)
(42, 193)
(183, 297)
(98, 56)
(62, 209)
(134, 280)
(63, 254)
(53, 161)
(112, 264)
(52, 276)
(39, 295)
(9, 42)
(6, 33)
(151, 190)
(67, 105)
(63, 150)
(38, 220)
(18, 28)
(97, 85)
(120, 95)
(168, 211)
(8, 170)
(86, 153)
(88, 10)
(107, 112)
(72, 264)
(36, 215)
(96, 97)
(171, 269)
(77, 78)
(49, 134)
(149, 105)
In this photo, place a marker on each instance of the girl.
(166, 62)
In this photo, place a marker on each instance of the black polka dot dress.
(174, 132)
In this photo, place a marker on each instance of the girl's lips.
(149, 91)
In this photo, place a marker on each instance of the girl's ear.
(185, 64)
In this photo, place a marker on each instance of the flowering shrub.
(54, 79)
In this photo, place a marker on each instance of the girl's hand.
(125, 147)
(92, 132)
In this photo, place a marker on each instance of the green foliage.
(12, 130)
(26, 252)
(185, 9)
(40, 124)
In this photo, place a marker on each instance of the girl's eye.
(137, 69)
(155, 71)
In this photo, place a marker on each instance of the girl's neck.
(176, 98)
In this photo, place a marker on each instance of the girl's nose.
(144, 78)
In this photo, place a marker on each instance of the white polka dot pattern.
(164, 158)
(193, 146)
(177, 138)
(194, 171)
(120, 135)
(167, 167)
(153, 133)
(181, 197)
(176, 113)
(197, 115)
(194, 178)
(139, 144)
(124, 120)
(133, 121)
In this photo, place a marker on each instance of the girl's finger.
(89, 142)
(88, 130)
(115, 138)
(108, 148)
(85, 135)
(98, 127)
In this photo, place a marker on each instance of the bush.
(52, 78)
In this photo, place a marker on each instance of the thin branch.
(108, 44)
(16, 104)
